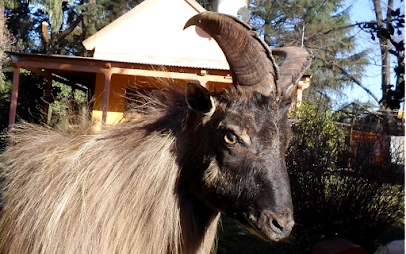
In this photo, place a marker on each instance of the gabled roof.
(90, 42)
(152, 33)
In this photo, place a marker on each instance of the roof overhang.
(83, 70)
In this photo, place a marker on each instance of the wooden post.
(46, 117)
(14, 97)
(13, 104)
(106, 94)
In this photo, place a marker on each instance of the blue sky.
(362, 10)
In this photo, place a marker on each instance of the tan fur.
(93, 194)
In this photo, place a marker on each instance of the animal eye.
(230, 138)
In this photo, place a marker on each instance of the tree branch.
(343, 27)
(351, 78)
(356, 81)
(65, 33)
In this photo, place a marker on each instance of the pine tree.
(313, 24)
(5, 43)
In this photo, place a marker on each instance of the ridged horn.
(251, 62)
(295, 62)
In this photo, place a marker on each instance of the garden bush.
(329, 198)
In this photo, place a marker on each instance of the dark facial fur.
(234, 162)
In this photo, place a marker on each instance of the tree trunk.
(3, 42)
(385, 46)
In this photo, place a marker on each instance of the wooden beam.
(56, 61)
(203, 79)
(172, 75)
(60, 66)
(48, 75)
(100, 66)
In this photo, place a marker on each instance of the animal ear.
(199, 99)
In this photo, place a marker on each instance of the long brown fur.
(115, 192)
(157, 186)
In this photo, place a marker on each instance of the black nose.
(282, 222)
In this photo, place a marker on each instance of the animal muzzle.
(271, 226)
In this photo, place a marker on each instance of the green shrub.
(329, 199)
(336, 201)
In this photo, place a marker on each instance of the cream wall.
(118, 86)
(154, 34)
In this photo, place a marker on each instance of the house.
(129, 53)
(184, 55)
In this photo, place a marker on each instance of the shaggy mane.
(93, 191)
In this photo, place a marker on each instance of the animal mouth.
(269, 226)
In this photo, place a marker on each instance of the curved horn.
(296, 61)
(251, 62)
(250, 58)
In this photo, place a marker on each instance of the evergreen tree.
(312, 24)
(207, 4)
(24, 23)
(6, 39)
